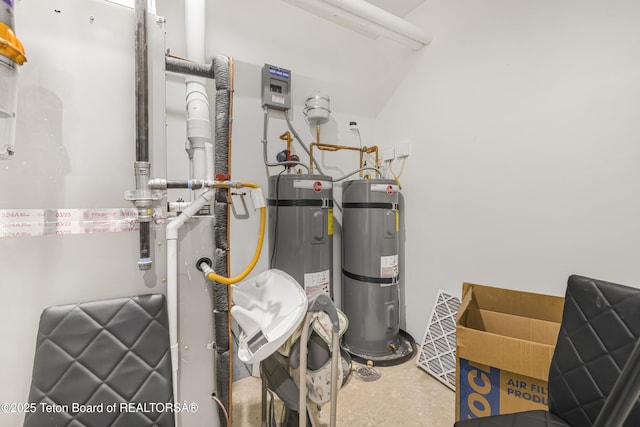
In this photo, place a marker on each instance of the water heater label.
(317, 282)
(316, 186)
(330, 222)
(384, 188)
(278, 99)
(389, 266)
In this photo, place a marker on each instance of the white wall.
(279, 34)
(75, 148)
(524, 122)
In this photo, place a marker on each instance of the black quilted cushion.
(110, 352)
(600, 326)
(520, 419)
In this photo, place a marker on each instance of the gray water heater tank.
(300, 229)
(370, 270)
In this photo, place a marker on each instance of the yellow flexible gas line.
(263, 220)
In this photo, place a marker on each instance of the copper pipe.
(331, 147)
(287, 137)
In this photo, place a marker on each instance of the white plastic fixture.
(268, 308)
(317, 109)
(403, 149)
(388, 153)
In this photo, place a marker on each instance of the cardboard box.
(504, 344)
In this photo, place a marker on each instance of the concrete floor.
(404, 395)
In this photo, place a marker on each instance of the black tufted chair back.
(600, 327)
(594, 378)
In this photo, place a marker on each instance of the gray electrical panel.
(300, 225)
(276, 87)
(370, 270)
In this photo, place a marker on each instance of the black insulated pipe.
(182, 66)
(624, 394)
(222, 70)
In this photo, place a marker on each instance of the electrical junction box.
(388, 153)
(276, 87)
(403, 149)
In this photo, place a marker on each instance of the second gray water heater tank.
(370, 270)
(300, 224)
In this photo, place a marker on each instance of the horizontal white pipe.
(383, 18)
(359, 23)
(324, 10)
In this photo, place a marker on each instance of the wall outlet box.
(403, 149)
(388, 153)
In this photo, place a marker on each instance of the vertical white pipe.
(172, 310)
(172, 284)
(195, 20)
(198, 121)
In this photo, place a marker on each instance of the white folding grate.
(438, 350)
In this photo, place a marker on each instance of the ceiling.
(397, 7)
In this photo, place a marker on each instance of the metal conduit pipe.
(142, 166)
(267, 164)
(304, 147)
(142, 82)
(355, 172)
(265, 126)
